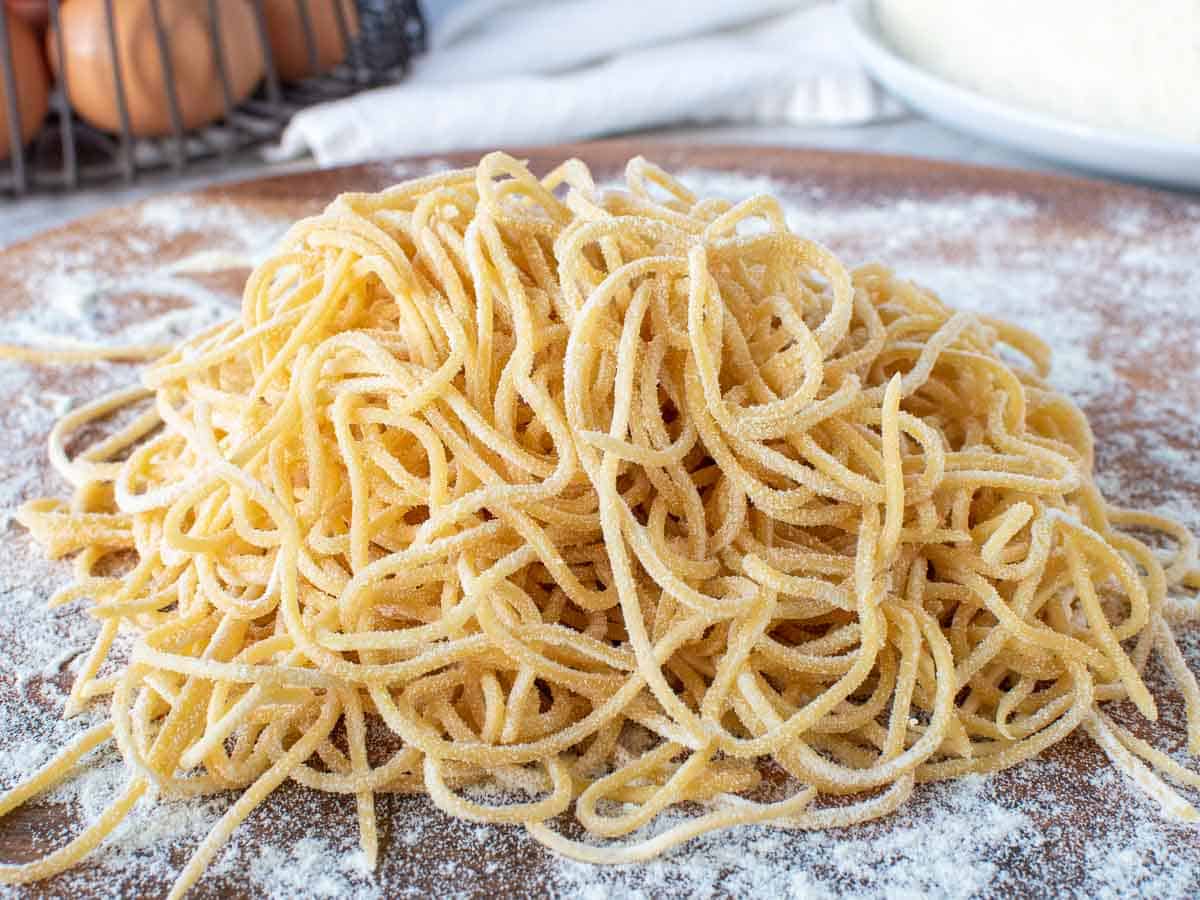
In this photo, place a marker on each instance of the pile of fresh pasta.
(614, 499)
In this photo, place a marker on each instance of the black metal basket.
(67, 152)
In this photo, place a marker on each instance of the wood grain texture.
(1063, 213)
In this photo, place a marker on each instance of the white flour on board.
(976, 837)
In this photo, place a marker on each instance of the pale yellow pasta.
(606, 497)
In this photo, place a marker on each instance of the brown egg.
(89, 68)
(33, 88)
(35, 12)
(289, 46)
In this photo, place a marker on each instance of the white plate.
(1115, 153)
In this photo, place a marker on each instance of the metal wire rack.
(68, 153)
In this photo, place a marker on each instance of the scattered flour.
(1119, 301)
(231, 226)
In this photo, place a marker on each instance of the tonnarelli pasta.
(610, 497)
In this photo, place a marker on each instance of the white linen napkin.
(506, 72)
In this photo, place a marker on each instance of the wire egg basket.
(67, 152)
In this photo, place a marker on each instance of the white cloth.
(506, 72)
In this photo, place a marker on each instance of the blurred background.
(104, 101)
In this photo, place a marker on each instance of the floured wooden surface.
(1110, 276)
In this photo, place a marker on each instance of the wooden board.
(1112, 272)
